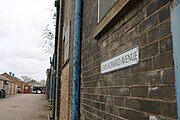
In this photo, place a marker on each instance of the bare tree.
(26, 78)
(43, 82)
(48, 35)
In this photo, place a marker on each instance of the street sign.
(128, 58)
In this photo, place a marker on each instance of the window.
(66, 43)
(103, 7)
(107, 10)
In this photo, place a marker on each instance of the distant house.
(7, 84)
(19, 84)
(27, 88)
(32, 87)
(34, 83)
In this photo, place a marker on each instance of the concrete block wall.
(142, 92)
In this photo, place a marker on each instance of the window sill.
(118, 7)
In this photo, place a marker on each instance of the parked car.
(2, 93)
(38, 91)
(33, 92)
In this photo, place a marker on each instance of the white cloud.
(21, 25)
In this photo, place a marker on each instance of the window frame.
(107, 18)
(99, 5)
(66, 43)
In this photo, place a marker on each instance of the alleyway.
(24, 107)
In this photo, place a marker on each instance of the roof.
(33, 83)
(12, 78)
(4, 78)
(19, 79)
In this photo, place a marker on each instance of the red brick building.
(7, 84)
(27, 88)
(19, 84)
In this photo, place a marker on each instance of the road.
(24, 107)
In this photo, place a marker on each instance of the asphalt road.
(24, 107)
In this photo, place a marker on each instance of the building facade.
(7, 84)
(129, 64)
(32, 87)
(19, 84)
(144, 91)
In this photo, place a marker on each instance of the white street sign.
(125, 59)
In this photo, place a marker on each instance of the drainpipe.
(51, 87)
(54, 87)
(175, 28)
(76, 61)
(55, 60)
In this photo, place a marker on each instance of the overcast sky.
(21, 25)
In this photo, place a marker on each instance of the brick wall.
(27, 89)
(64, 84)
(59, 60)
(64, 93)
(1, 83)
(140, 92)
(71, 60)
(17, 82)
(13, 87)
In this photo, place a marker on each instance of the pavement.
(24, 107)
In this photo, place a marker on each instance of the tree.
(48, 35)
(26, 78)
(43, 82)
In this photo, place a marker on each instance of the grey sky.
(21, 26)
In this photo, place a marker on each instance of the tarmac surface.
(24, 107)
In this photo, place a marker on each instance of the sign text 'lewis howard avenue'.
(125, 59)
